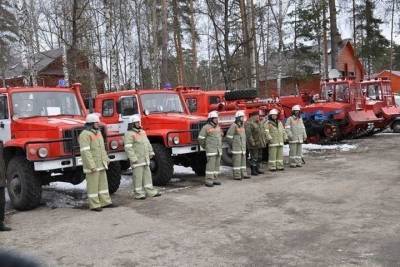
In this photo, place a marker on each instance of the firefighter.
(95, 163)
(3, 227)
(296, 133)
(210, 139)
(277, 137)
(254, 142)
(236, 137)
(139, 151)
(264, 137)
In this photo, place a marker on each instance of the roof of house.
(394, 72)
(41, 61)
(309, 65)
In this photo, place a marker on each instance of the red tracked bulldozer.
(380, 99)
(339, 113)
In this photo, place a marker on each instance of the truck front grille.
(195, 129)
(73, 134)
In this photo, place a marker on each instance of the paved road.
(342, 209)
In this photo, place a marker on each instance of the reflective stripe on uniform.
(243, 167)
(139, 164)
(85, 148)
(103, 192)
(209, 172)
(230, 136)
(237, 168)
(212, 154)
(280, 161)
(201, 137)
(100, 169)
(237, 152)
(148, 186)
(93, 195)
(128, 145)
(272, 161)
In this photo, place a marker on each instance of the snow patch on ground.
(338, 147)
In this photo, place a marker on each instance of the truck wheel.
(241, 94)
(23, 185)
(113, 177)
(396, 126)
(162, 165)
(227, 156)
(198, 163)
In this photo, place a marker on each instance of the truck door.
(5, 123)
(128, 107)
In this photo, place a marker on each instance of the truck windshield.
(33, 104)
(162, 103)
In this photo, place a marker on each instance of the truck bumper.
(185, 149)
(65, 163)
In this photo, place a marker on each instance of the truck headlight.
(43, 152)
(176, 140)
(114, 144)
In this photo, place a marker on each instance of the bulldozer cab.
(344, 91)
(378, 90)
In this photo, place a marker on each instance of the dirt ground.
(341, 209)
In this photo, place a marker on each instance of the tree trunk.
(335, 36)
(178, 42)
(246, 43)
(253, 49)
(139, 38)
(164, 52)
(354, 25)
(194, 40)
(325, 41)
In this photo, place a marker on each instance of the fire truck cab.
(171, 129)
(39, 128)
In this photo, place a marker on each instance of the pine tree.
(373, 46)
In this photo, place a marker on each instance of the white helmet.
(239, 113)
(296, 108)
(273, 112)
(134, 118)
(92, 118)
(213, 114)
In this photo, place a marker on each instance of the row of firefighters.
(254, 135)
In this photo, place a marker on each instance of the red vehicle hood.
(172, 118)
(326, 106)
(45, 125)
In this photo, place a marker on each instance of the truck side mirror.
(119, 107)
(146, 112)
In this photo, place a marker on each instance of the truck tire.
(246, 94)
(396, 126)
(113, 177)
(162, 165)
(227, 156)
(23, 185)
(198, 164)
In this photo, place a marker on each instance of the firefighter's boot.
(4, 228)
(254, 170)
